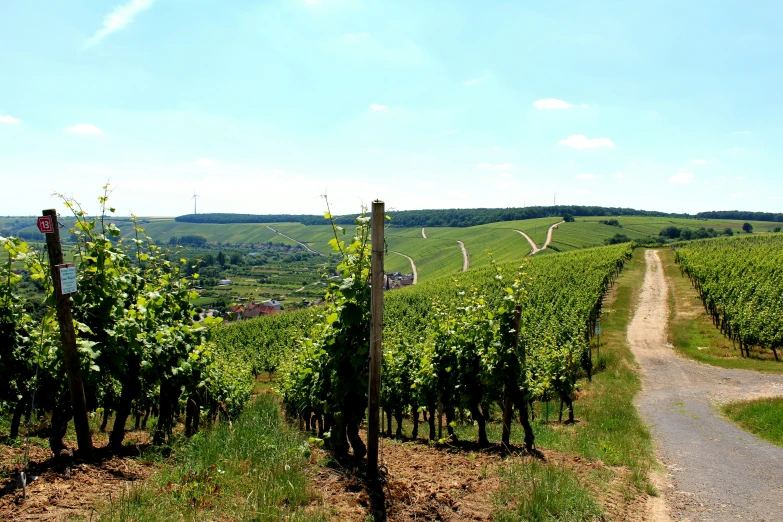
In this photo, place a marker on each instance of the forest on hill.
(467, 217)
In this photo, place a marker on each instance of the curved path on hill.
(413, 265)
(423, 234)
(717, 472)
(294, 240)
(533, 247)
(549, 234)
(465, 257)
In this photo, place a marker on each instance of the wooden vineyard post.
(68, 338)
(376, 338)
(508, 407)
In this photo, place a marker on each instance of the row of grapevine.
(740, 282)
(140, 350)
(450, 345)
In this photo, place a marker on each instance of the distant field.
(439, 255)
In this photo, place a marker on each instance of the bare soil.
(451, 483)
(716, 471)
(66, 487)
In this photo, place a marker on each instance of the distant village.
(251, 310)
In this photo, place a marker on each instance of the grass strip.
(762, 417)
(254, 469)
(542, 492)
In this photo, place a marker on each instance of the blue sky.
(262, 106)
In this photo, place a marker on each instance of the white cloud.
(356, 36)
(572, 164)
(774, 198)
(551, 103)
(204, 162)
(699, 162)
(682, 178)
(9, 119)
(721, 177)
(378, 107)
(584, 106)
(580, 141)
(495, 147)
(474, 81)
(506, 175)
(618, 175)
(120, 17)
(738, 195)
(589, 177)
(85, 128)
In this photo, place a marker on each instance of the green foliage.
(617, 239)
(747, 227)
(138, 344)
(740, 282)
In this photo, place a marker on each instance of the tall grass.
(251, 470)
(537, 492)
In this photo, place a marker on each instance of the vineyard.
(451, 346)
(141, 354)
(740, 282)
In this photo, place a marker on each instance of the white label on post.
(68, 279)
(598, 330)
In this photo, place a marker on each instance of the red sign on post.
(45, 224)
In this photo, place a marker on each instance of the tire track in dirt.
(294, 240)
(717, 472)
(413, 265)
(423, 234)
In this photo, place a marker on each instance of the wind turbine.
(194, 201)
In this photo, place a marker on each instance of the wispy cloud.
(378, 107)
(474, 81)
(495, 147)
(699, 162)
(551, 103)
(618, 175)
(682, 177)
(589, 177)
(9, 119)
(580, 141)
(85, 128)
(204, 162)
(584, 106)
(120, 17)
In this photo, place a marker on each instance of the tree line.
(454, 217)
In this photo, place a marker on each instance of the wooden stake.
(68, 337)
(508, 407)
(376, 338)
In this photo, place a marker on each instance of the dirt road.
(549, 234)
(423, 234)
(413, 265)
(465, 257)
(533, 247)
(717, 472)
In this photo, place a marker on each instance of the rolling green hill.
(438, 254)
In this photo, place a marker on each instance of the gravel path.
(413, 265)
(465, 257)
(717, 472)
(423, 234)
